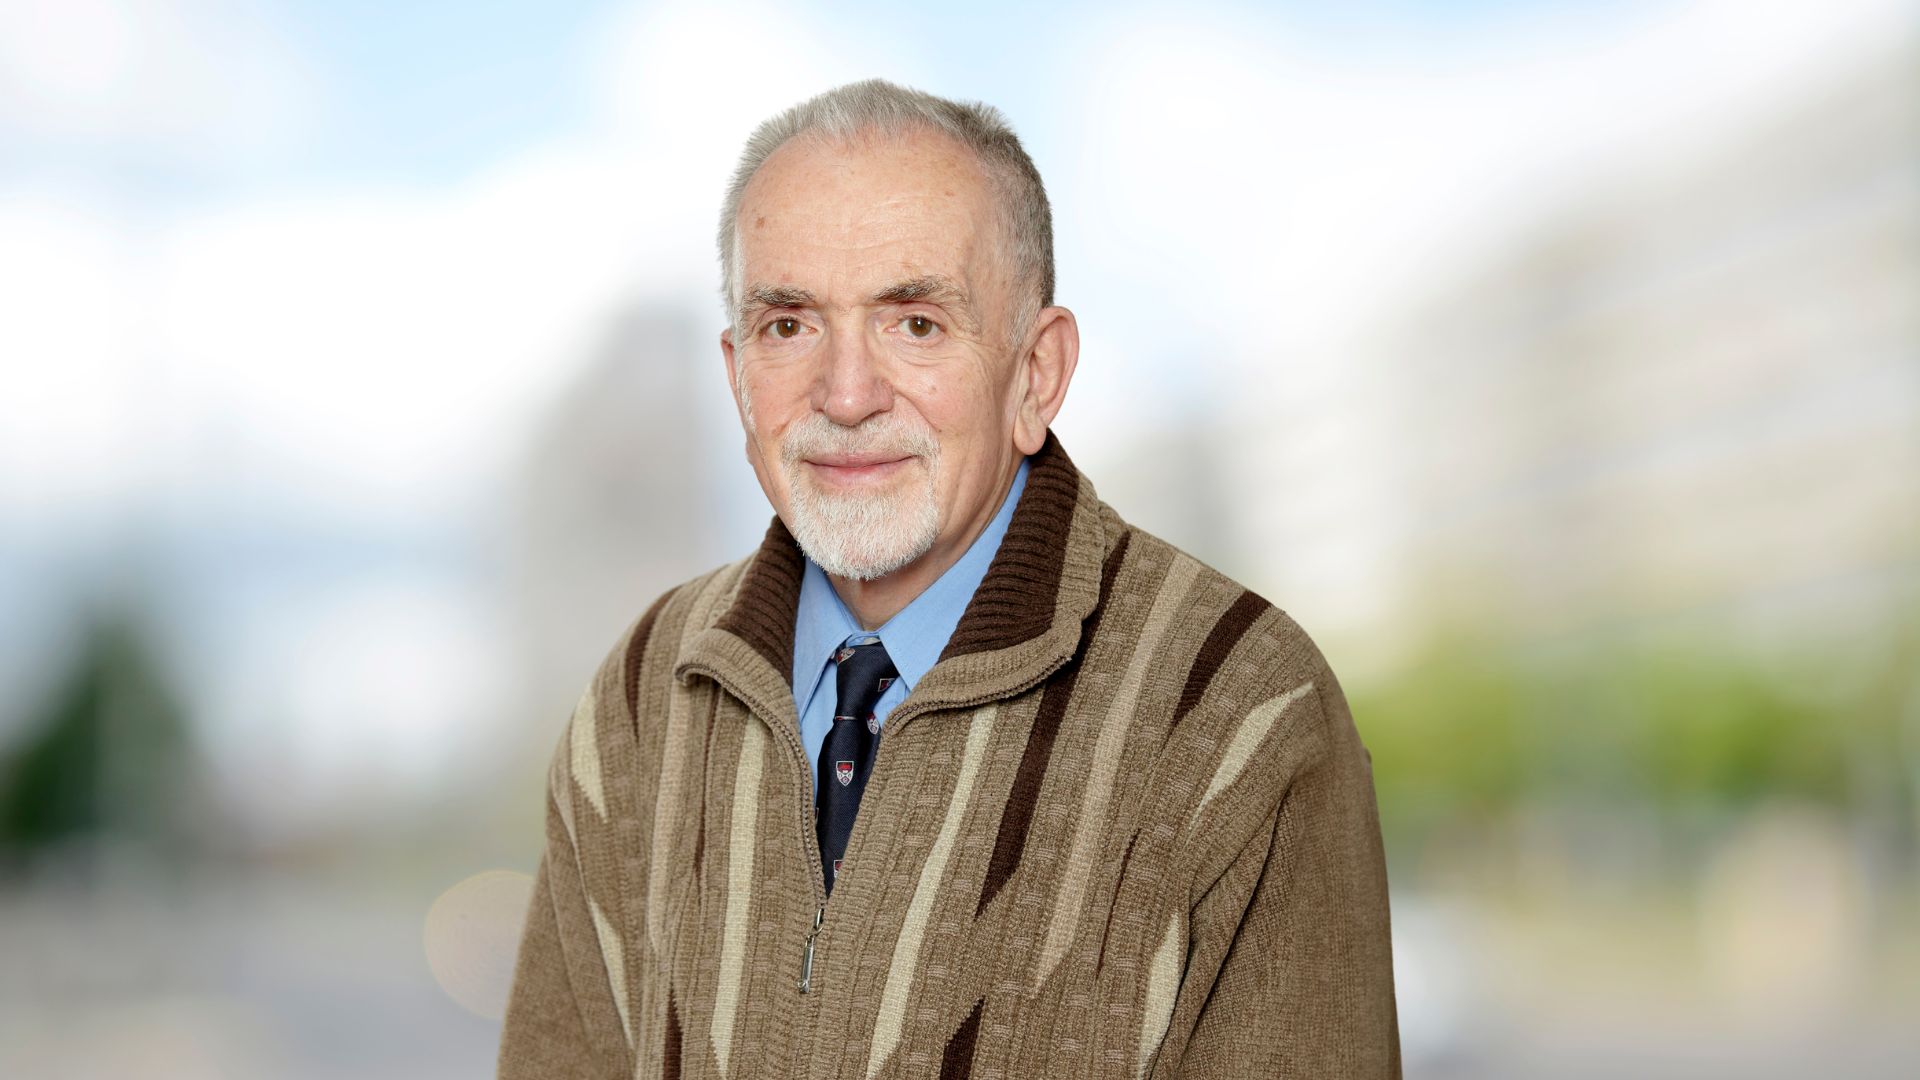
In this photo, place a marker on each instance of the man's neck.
(873, 602)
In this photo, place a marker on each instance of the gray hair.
(878, 106)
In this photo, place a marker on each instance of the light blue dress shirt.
(914, 637)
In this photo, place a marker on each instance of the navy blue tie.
(846, 757)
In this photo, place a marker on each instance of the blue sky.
(424, 93)
(431, 89)
(434, 89)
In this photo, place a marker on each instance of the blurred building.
(1690, 395)
(612, 501)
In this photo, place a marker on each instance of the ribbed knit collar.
(1023, 621)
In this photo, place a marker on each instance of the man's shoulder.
(1244, 648)
(1246, 695)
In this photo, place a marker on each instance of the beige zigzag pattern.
(734, 931)
(1106, 763)
(583, 764)
(668, 796)
(1163, 977)
(1252, 732)
(906, 948)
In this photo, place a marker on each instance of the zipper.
(790, 735)
(806, 960)
(798, 754)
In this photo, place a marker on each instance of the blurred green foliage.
(1479, 728)
(107, 752)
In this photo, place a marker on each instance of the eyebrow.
(931, 288)
(772, 296)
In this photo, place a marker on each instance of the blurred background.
(1556, 365)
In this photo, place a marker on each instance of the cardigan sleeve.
(561, 1021)
(1299, 922)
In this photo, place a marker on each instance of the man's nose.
(851, 385)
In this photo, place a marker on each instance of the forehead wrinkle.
(876, 241)
(850, 222)
(903, 241)
(928, 288)
(844, 273)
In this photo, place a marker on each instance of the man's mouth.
(857, 468)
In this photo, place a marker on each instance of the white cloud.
(384, 345)
(70, 357)
(191, 82)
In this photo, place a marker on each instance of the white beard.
(861, 535)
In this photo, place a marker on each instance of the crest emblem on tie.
(843, 772)
(841, 656)
(836, 866)
(873, 724)
(885, 681)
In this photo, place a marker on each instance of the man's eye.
(784, 328)
(919, 326)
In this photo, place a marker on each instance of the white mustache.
(816, 436)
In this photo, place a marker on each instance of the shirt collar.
(915, 636)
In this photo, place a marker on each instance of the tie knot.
(864, 673)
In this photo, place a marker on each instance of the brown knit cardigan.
(1124, 827)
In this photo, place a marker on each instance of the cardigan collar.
(1023, 621)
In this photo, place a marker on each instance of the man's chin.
(864, 565)
(824, 523)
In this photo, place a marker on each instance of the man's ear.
(1048, 366)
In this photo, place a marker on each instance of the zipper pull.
(806, 960)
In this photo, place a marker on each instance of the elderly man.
(958, 774)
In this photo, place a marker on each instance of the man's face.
(871, 356)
